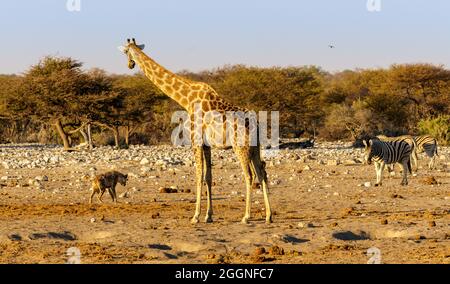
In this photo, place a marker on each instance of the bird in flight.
(331, 46)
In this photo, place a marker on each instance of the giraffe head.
(127, 49)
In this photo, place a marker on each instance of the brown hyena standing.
(108, 181)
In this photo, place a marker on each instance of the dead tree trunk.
(62, 134)
(127, 135)
(89, 134)
(115, 130)
(85, 137)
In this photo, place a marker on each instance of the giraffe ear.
(122, 49)
(141, 46)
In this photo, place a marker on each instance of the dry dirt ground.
(323, 214)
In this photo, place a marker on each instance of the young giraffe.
(195, 96)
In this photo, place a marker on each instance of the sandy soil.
(322, 215)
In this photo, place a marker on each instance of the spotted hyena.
(108, 181)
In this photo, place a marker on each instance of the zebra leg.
(431, 166)
(405, 174)
(414, 159)
(379, 170)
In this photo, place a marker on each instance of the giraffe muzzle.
(131, 64)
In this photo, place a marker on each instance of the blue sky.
(204, 34)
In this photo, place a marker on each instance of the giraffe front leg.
(244, 157)
(199, 180)
(208, 179)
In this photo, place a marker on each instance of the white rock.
(145, 161)
(367, 184)
(124, 195)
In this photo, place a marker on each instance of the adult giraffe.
(195, 98)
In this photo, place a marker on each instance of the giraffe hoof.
(245, 220)
(194, 220)
(208, 220)
(269, 220)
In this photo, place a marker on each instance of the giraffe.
(201, 98)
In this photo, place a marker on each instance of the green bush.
(438, 127)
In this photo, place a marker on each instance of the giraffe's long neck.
(173, 86)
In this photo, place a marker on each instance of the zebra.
(405, 138)
(382, 153)
(427, 144)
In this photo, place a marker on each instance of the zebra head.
(368, 154)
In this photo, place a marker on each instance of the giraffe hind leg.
(198, 153)
(207, 176)
(259, 168)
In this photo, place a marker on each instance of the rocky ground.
(326, 209)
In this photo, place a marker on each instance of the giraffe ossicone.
(200, 98)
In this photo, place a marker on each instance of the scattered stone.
(384, 222)
(397, 196)
(124, 195)
(93, 220)
(276, 251)
(432, 224)
(307, 168)
(367, 184)
(41, 178)
(145, 161)
(333, 162)
(259, 251)
(167, 190)
(334, 224)
(305, 225)
(430, 181)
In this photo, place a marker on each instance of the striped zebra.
(385, 153)
(405, 138)
(427, 144)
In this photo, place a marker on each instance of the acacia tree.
(56, 91)
(425, 86)
(137, 101)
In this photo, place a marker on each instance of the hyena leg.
(92, 195)
(111, 193)
(101, 196)
(113, 189)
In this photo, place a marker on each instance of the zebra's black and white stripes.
(405, 138)
(427, 144)
(385, 153)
